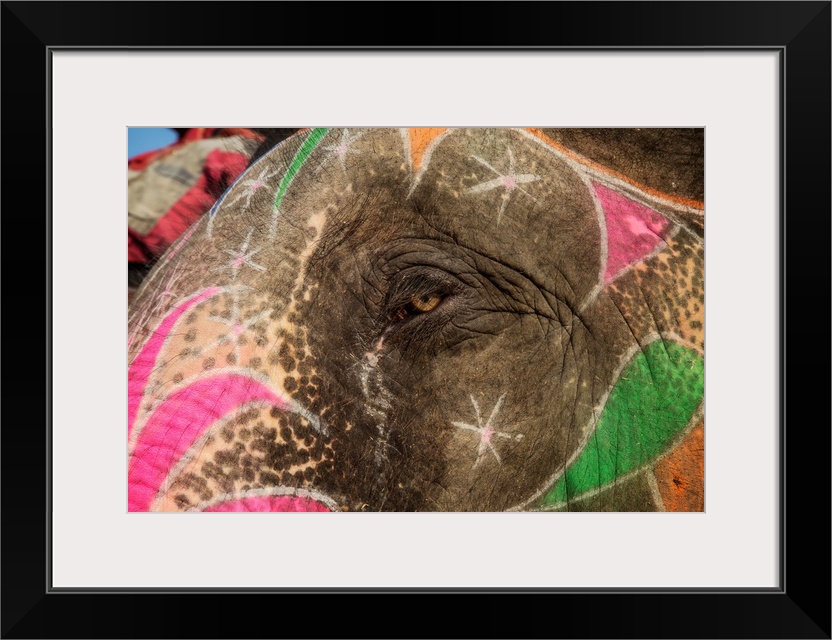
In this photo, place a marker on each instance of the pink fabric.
(179, 422)
(633, 230)
(143, 364)
(270, 503)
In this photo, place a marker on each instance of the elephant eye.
(426, 302)
(418, 304)
(417, 294)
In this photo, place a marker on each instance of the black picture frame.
(798, 608)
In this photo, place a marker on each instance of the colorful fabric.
(169, 189)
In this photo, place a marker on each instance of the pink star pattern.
(241, 258)
(342, 149)
(253, 185)
(487, 432)
(509, 182)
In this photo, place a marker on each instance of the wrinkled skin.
(422, 320)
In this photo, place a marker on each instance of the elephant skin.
(430, 320)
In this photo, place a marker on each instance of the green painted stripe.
(652, 402)
(302, 154)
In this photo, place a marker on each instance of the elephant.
(430, 319)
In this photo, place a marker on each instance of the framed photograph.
(749, 557)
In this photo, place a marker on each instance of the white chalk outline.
(292, 405)
(213, 211)
(617, 184)
(268, 492)
(254, 185)
(192, 452)
(426, 156)
(651, 466)
(341, 150)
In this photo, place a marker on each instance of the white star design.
(487, 432)
(509, 182)
(241, 258)
(253, 185)
(341, 149)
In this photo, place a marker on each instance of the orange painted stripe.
(695, 204)
(681, 475)
(420, 140)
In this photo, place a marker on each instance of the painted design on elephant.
(254, 449)
(237, 325)
(144, 363)
(679, 476)
(185, 485)
(340, 150)
(241, 258)
(601, 217)
(377, 397)
(244, 187)
(248, 188)
(236, 330)
(161, 301)
(181, 420)
(636, 222)
(171, 428)
(651, 407)
(184, 385)
(187, 462)
(634, 231)
(509, 181)
(419, 145)
(272, 499)
(671, 283)
(641, 241)
(487, 432)
(612, 179)
(312, 140)
(631, 234)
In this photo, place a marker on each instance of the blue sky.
(142, 139)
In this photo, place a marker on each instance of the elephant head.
(424, 320)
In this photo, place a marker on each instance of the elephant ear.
(642, 448)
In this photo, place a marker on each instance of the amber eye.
(417, 305)
(425, 302)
